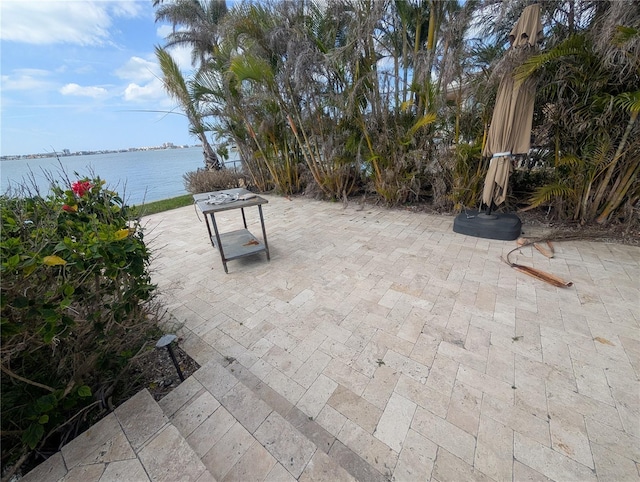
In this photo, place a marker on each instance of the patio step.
(135, 442)
(244, 430)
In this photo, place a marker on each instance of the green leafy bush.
(75, 301)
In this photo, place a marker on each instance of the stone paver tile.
(331, 420)
(445, 434)
(179, 396)
(167, 457)
(548, 462)
(524, 473)
(592, 382)
(284, 385)
(273, 399)
(191, 415)
(124, 471)
(611, 466)
(346, 376)
(369, 448)
(354, 464)
(316, 397)
(209, 432)
(464, 408)
(416, 458)
(279, 474)
(494, 450)
(254, 465)
(245, 406)
(215, 378)
(370, 358)
(285, 443)
(425, 349)
(381, 386)
(321, 468)
(412, 326)
(83, 473)
(569, 434)
(406, 366)
(395, 421)
(310, 429)
(462, 356)
(282, 360)
(311, 368)
(448, 467)
(436, 401)
(588, 407)
(101, 443)
(140, 417)
(516, 419)
(501, 364)
(229, 449)
(355, 408)
(485, 383)
(619, 442)
(51, 469)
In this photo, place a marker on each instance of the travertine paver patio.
(379, 345)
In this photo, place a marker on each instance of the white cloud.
(27, 79)
(152, 91)
(138, 70)
(78, 90)
(79, 22)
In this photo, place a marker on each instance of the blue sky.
(76, 73)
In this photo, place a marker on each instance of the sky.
(80, 74)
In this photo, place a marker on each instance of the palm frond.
(545, 194)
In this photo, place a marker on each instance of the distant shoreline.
(67, 153)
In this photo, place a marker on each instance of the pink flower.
(80, 188)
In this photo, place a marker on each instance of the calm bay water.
(140, 176)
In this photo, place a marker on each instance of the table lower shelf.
(236, 244)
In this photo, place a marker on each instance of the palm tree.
(176, 86)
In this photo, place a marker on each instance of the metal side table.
(234, 244)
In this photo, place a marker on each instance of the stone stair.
(222, 423)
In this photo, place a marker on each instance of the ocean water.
(139, 176)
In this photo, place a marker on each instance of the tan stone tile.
(283, 360)
(381, 386)
(346, 376)
(285, 443)
(569, 434)
(140, 418)
(83, 473)
(215, 378)
(485, 383)
(229, 449)
(464, 408)
(436, 401)
(311, 429)
(245, 406)
(448, 467)
(192, 414)
(425, 349)
(501, 364)
(548, 462)
(370, 358)
(124, 471)
(416, 458)
(321, 468)
(411, 328)
(284, 385)
(254, 465)
(355, 408)
(525, 473)
(167, 457)
(395, 421)
(314, 400)
(179, 396)
(103, 442)
(586, 406)
(614, 440)
(279, 474)
(392, 342)
(311, 368)
(51, 469)
(445, 434)
(209, 432)
(517, 419)
(354, 464)
(372, 450)
(611, 466)
(494, 449)
(331, 420)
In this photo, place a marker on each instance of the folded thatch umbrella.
(510, 129)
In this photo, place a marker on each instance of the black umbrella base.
(502, 226)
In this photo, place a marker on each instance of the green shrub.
(204, 180)
(76, 293)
